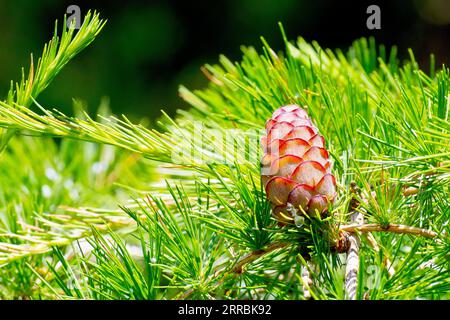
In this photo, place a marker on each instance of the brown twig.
(185, 294)
(238, 267)
(254, 255)
(395, 228)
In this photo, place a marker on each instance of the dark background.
(148, 48)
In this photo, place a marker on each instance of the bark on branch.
(395, 228)
(352, 265)
(238, 268)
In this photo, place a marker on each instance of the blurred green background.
(148, 48)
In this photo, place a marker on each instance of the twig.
(353, 242)
(186, 294)
(352, 265)
(252, 256)
(306, 282)
(238, 268)
(395, 228)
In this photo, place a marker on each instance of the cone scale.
(295, 168)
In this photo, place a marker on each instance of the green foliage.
(174, 212)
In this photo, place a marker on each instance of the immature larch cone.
(295, 168)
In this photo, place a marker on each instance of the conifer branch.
(238, 267)
(353, 243)
(352, 264)
(56, 54)
(306, 282)
(379, 118)
(394, 228)
(73, 225)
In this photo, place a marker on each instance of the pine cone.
(295, 168)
